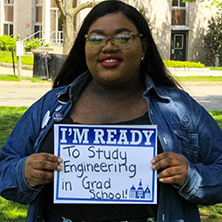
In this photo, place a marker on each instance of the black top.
(94, 212)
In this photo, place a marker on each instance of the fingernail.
(59, 168)
(59, 160)
(161, 180)
(153, 161)
(153, 167)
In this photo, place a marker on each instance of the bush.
(181, 64)
(7, 43)
(33, 44)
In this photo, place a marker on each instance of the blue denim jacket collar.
(73, 90)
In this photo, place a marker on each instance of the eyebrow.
(101, 31)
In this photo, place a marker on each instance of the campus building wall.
(198, 17)
(1, 16)
(23, 18)
(160, 19)
(160, 16)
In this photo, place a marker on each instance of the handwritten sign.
(105, 164)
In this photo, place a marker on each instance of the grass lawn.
(178, 78)
(198, 78)
(9, 116)
(11, 212)
(6, 57)
(16, 79)
(215, 68)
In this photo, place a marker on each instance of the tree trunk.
(69, 13)
(68, 33)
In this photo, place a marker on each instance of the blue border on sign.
(111, 200)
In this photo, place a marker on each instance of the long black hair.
(75, 63)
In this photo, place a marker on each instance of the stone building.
(178, 28)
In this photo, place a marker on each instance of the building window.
(38, 14)
(178, 12)
(53, 3)
(178, 3)
(38, 31)
(8, 29)
(9, 14)
(38, 2)
(9, 1)
(9, 17)
(74, 3)
(38, 19)
(38, 11)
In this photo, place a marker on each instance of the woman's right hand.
(39, 168)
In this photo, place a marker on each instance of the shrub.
(33, 44)
(7, 43)
(181, 64)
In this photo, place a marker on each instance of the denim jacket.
(184, 127)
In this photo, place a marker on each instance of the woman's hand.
(174, 168)
(39, 168)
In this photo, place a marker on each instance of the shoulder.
(47, 102)
(51, 96)
(175, 94)
(179, 102)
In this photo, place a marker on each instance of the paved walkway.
(10, 71)
(25, 93)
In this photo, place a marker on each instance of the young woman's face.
(111, 65)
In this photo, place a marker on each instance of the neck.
(116, 91)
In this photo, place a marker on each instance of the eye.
(96, 39)
(122, 38)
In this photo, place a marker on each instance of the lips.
(110, 61)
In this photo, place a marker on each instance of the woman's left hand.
(174, 168)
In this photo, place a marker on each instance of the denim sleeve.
(23, 193)
(17, 148)
(204, 183)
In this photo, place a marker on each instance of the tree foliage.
(213, 39)
(217, 3)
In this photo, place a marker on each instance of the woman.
(114, 75)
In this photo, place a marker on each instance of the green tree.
(217, 3)
(213, 39)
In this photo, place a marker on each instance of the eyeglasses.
(96, 42)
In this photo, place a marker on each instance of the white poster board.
(105, 164)
(19, 48)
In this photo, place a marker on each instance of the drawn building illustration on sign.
(140, 192)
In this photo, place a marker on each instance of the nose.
(109, 46)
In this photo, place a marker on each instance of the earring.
(143, 56)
